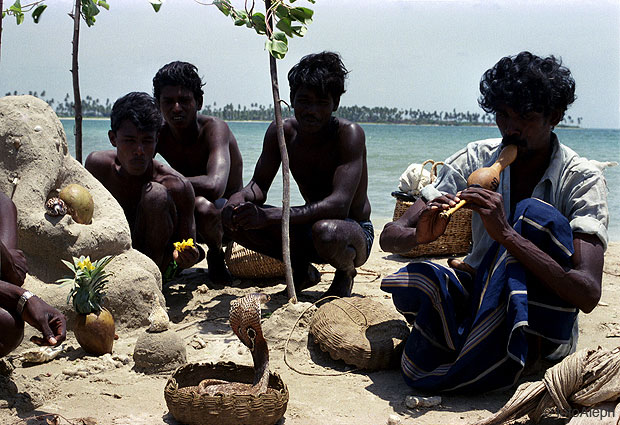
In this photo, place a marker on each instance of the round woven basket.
(361, 332)
(190, 408)
(244, 263)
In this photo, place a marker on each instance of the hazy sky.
(407, 54)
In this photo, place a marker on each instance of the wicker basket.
(361, 332)
(244, 263)
(456, 240)
(191, 408)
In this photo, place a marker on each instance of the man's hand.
(431, 224)
(186, 257)
(47, 319)
(490, 206)
(244, 216)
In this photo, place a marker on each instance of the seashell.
(56, 207)
(159, 320)
(42, 354)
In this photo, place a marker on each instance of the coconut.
(79, 202)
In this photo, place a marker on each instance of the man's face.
(178, 106)
(531, 131)
(134, 148)
(312, 109)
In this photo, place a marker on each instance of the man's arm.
(336, 205)
(13, 266)
(255, 192)
(182, 193)
(579, 285)
(37, 313)
(216, 135)
(420, 224)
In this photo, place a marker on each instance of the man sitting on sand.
(158, 201)
(16, 304)
(538, 243)
(328, 161)
(203, 149)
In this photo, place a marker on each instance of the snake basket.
(191, 408)
(244, 263)
(361, 332)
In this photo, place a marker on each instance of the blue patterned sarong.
(469, 334)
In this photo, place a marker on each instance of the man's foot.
(342, 285)
(218, 272)
(304, 279)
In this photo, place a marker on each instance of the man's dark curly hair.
(323, 72)
(179, 73)
(527, 83)
(139, 108)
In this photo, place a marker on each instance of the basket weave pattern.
(360, 331)
(244, 263)
(456, 239)
(223, 409)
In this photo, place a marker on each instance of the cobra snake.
(245, 323)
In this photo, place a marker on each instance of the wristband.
(21, 303)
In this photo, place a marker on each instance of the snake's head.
(245, 317)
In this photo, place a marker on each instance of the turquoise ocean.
(391, 148)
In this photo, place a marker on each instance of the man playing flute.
(538, 243)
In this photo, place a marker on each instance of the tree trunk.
(286, 187)
(77, 100)
(1, 30)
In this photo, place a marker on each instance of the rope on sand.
(288, 339)
(585, 379)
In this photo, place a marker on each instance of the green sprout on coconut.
(94, 325)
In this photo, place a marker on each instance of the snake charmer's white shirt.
(572, 184)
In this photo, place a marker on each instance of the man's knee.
(205, 210)
(12, 332)
(325, 233)
(155, 198)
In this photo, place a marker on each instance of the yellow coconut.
(79, 202)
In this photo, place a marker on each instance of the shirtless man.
(203, 149)
(158, 202)
(16, 304)
(328, 161)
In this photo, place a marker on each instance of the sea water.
(390, 149)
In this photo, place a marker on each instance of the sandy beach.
(110, 391)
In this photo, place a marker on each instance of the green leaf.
(16, 7)
(103, 4)
(278, 45)
(258, 22)
(36, 14)
(19, 17)
(300, 30)
(156, 4)
(284, 25)
(282, 11)
(302, 14)
(223, 6)
(241, 18)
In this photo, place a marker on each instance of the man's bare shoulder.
(98, 161)
(348, 128)
(209, 122)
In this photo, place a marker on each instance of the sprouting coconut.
(79, 202)
(94, 326)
